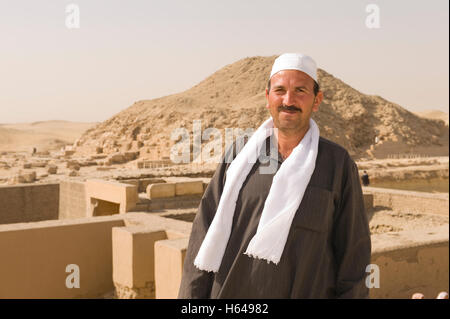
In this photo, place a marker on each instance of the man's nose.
(288, 98)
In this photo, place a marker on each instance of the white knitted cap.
(295, 61)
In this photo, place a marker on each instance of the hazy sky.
(125, 51)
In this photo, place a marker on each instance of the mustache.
(289, 108)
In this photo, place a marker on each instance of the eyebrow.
(297, 87)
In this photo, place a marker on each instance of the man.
(297, 231)
(365, 179)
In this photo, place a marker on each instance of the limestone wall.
(169, 190)
(169, 261)
(409, 201)
(134, 260)
(142, 183)
(125, 195)
(34, 258)
(28, 203)
(72, 200)
(411, 262)
(148, 256)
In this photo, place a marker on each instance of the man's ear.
(267, 98)
(317, 100)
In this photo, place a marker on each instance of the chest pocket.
(315, 211)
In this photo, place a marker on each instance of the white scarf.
(285, 196)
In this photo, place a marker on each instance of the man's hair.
(316, 87)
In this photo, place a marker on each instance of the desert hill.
(44, 135)
(434, 114)
(234, 97)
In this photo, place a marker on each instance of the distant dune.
(44, 135)
(434, 114)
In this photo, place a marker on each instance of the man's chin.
(289, 122)
(289, 126)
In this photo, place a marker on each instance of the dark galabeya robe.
(327, 249)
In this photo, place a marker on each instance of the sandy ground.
(383, 221)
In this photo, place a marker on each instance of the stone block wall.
(169, 261)
(34, 258)
(169, 190)
(399, 200)
(410, 262)
(134, 260)
(72, 200)
(28, 203)
(125, 195)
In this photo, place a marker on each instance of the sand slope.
(46, 135)
(434, 114)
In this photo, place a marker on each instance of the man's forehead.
(292, 77)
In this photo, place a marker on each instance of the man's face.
(291, 100)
